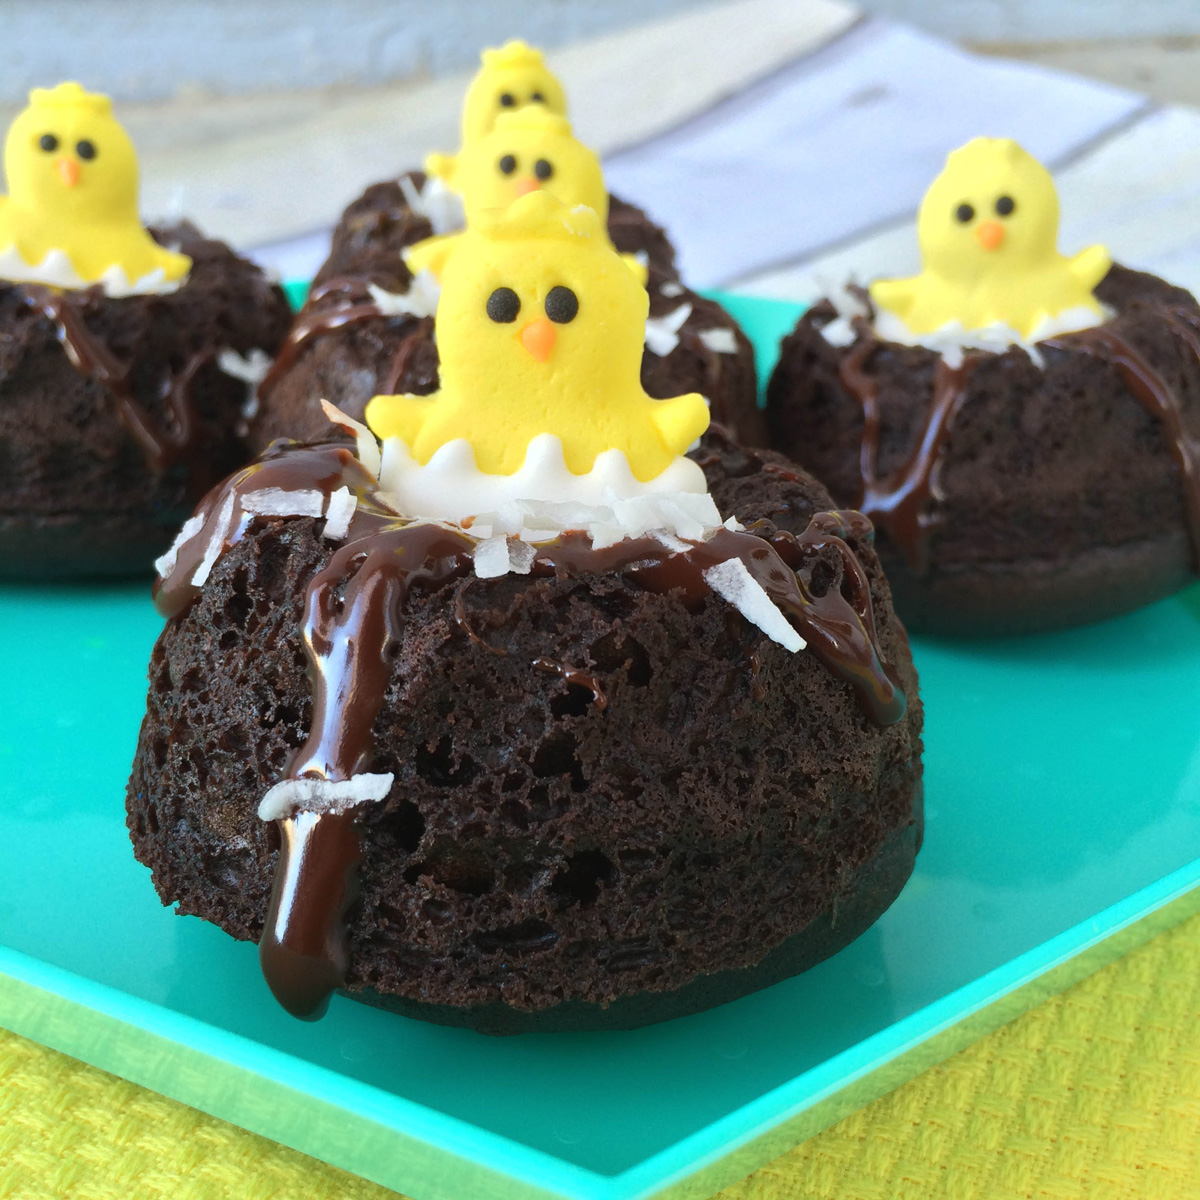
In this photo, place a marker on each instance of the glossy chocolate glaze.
(1156, 396)
(354, 610)
(161, 446)
(903, 504)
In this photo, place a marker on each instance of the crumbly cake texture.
(348, 357)
(80, 495)
(1061, 493)
(669, 810)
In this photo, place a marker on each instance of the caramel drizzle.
(161, 445)
(902, 504)
(352, 625)
(1157, 397)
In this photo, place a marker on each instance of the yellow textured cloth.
(1093, 1096)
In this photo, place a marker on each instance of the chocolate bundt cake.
(610, 799)
(118, 414)
(1013, 492)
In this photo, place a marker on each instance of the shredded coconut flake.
(275, 502)
(520, 557)
(291, 796)
(671, 289)
(367, 448)
(421, 299)
(342, 506)
(251, 368)
(216, 543)
(734, 583)
(719, 341)
(662, 333)
(166, 564)
(491, 557)
(434, 201)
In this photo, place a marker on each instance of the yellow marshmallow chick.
(540, 330)
(988, 232)
(510, 77)
(526, 151)
(71, 214)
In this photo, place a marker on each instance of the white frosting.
(57, 270)
(662, 333)
(671, 289)
(421, 299)
(720, 340)
(451, 487)
(367, 448)
(436, 202)
(952, 340)
(291, 796)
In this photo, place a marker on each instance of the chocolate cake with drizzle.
(117, 414)
(622, 764)
(1014, 487)
(127, 355)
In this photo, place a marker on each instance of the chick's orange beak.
(990, 234)
(525, 186)
(538, 338)
(68, 169)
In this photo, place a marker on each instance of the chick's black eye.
(1005, 206)
(965, 213)
(562, 305)
(86, 150)
(508, 100)
(542, 169)
(537, 98)
(508, 164)
(48, 142)
(503, 305)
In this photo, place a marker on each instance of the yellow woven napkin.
(1093, 1096)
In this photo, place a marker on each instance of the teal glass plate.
(1063, 792)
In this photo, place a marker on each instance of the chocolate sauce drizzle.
(354, 307)
(354, 612)
(902, 504)
(161, 445)
(1157, 397)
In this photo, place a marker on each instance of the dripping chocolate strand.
(1158, 398)
(161, 447)
(354, 307)
(350, 634)
(901, 504)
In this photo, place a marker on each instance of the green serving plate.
(1063, 793)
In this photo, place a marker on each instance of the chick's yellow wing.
(680, 420)
(399, 416)
(898, 296)
(1090, 266)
